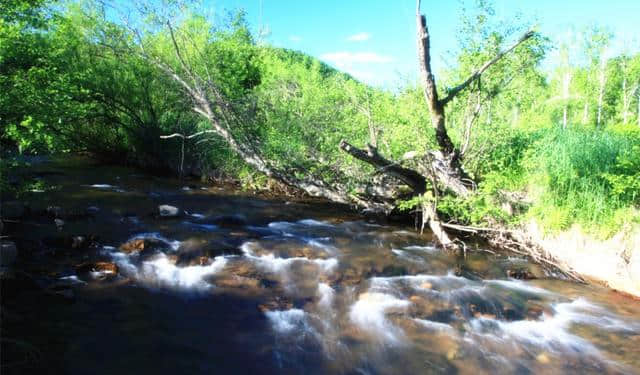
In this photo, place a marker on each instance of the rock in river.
(168, 211)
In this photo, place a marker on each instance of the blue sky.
(374, 40)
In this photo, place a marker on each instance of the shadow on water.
(238, 284)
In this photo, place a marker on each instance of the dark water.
(281, 287)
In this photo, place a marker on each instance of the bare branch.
(187, 136)
(456, 90)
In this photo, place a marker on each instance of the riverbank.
(613, 262)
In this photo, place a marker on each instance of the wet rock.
(422, 308)
(246, 270)
(13, 209)
(309, 253)
(452, 353)
(194, 251)
(481, 309)
(234, 281)
(277, 303)
(229, 221)
(510, 314)
(521, 274)
(135, 245)
(168, 211)
(59, 223)
(536, 312)
(543, 358)
(106, 268)
(8, 253)
(351, 277)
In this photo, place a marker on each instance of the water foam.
(369, 313)
(162, 271)
(326, 294)
(553, 332)
(287, 321)
(435, 326)
(277, 264)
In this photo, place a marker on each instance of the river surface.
(241, 284)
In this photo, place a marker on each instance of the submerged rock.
(521, 274)
(234, 281)
(168, 211)
(229, 221)
(277, 303)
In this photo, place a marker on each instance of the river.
(242, 284)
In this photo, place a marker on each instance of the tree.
(442, 167)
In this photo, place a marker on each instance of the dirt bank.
(614, 262)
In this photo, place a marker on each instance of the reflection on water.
(245, 285)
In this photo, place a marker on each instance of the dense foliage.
(567, 141)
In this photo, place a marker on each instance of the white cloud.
(345, 59)
(295, 38)
(359, 37)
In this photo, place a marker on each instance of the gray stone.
(8, 253)
(169, 211)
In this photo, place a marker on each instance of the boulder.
(168, 211)
(8, 253)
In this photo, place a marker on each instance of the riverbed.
(238, 283)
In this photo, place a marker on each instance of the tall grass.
(567, 171)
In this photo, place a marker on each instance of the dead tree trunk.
(442, 166)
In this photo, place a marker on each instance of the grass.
(575, 176)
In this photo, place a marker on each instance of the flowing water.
(240, 284)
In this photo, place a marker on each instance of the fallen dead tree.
(439, 171)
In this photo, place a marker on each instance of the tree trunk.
(602, 81)
(566, 85)
(625, 100)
